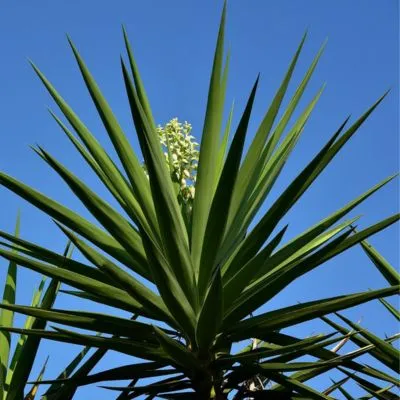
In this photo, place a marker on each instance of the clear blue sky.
(174, 42)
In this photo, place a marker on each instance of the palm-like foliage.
(210, 270)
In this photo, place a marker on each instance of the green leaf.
(7, 316)
(390, 351)
(73, 221)
(310, 234)
(174, 237)
(295, 190)
(42, 254)
(68, 390)
(391, 309)
(129, 161)
(272, 282)
(381, 393)
(137, 349)
(100, 322)
(76, 280)
(361, 341)
(325, 354)
(259, 353)
(383, 266)
(28, 324)
(30, 347)
(377, 391)
(32, 393)
(139, 370)
(211, 314)
(118, 227)
(235, 285)
(177, 353)
(138, 80)
(209, 150)
(219, 210)
(253, 154)
(112, 172)
(128, 201)
(284, 317)
(266, 174)
(149, 300)
(297, 386)
(67, 371)
(335, 385)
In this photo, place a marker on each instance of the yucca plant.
(197, 273)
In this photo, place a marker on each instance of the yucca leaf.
(257, 145)
(297, 386)
(130, 163)
(170, 290)
(27, 325)
(27, 354)
(268, 171)
(176, 351)
(335, 385)
(67, 371)
(73, 221)
(97, 299)
(361, 341)
(292, 315)
(384, 267)
(32, 393)
(274, 139)
(370, 386)
(138, 370)
(298, 186)
(150, 301)
(260, 353)
(169, 384)
(172, 227)
(209, 149)
(345, 393)
(310, 234)
(90, 321)
(390, 351)
(128, 201)
(2, 383)
(275, 284)
(76, 280)
(7, 316)
(126, 346)
(235, 285)
(112, 172)
(391, 309)
(219, 209)
(211, 314)
(224, 143)
(256, 238)
(272, 282)
(118, 227)
(67, 391)
(380, 394)
(42, 254)
(225, 137)
(138, 80)
(325, 354)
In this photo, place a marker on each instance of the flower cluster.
(181, 155)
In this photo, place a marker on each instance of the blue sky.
(173, 43)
